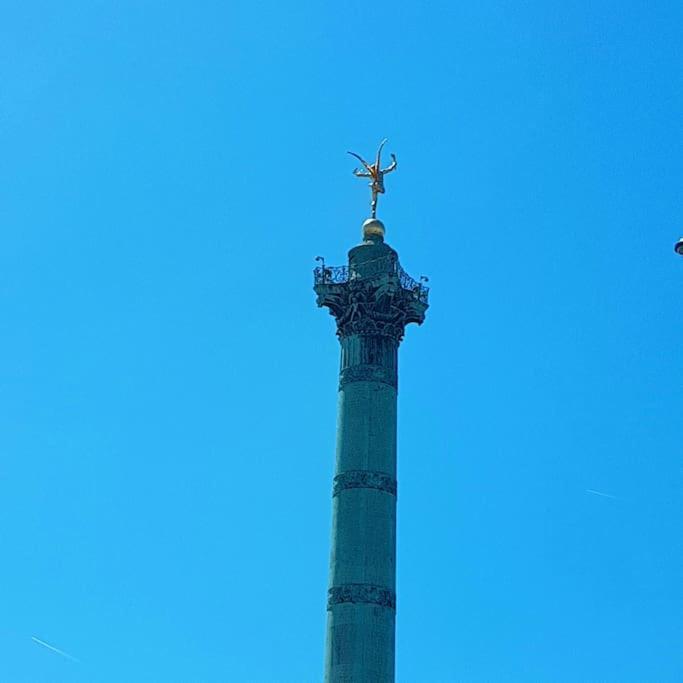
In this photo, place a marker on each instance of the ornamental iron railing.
(335, 275)
(408, 283)
(331, 275)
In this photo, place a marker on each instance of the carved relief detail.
(364, 479)
(368, 373)
(372, 309)
(379, 306)
(361, 593)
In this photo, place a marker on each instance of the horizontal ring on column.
(368, 373)
(361, 593)
(364, 479)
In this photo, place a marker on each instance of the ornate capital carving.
(364, 479)
(361, 593)
(379, 305)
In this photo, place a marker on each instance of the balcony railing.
(418, 288)
(334, 275)
(331, 275)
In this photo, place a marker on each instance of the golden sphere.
(373, 229)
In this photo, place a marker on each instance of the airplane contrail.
(54, 649)
(600, 493)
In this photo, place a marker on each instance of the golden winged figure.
(376, 173)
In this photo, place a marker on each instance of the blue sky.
(168, 173)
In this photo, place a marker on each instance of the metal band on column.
(364, 479)
(361, 593)
(368, 373)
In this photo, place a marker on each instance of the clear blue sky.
(168, 172)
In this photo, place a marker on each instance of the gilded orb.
(373, 230)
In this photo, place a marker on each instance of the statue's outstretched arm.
(391, 166)
(362, 161)
(379, 153)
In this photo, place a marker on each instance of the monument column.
(372, 300)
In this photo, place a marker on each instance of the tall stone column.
(372, 300)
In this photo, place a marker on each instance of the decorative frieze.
(364, 479)
(361, 593)
(379, 306)
(368, 373)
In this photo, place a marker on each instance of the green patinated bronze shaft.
(372, 300)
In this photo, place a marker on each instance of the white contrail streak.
(600, 493)
(54, 649)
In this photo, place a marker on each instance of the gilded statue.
(376, 173)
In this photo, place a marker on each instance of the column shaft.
(372, 300)
(361, 596)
